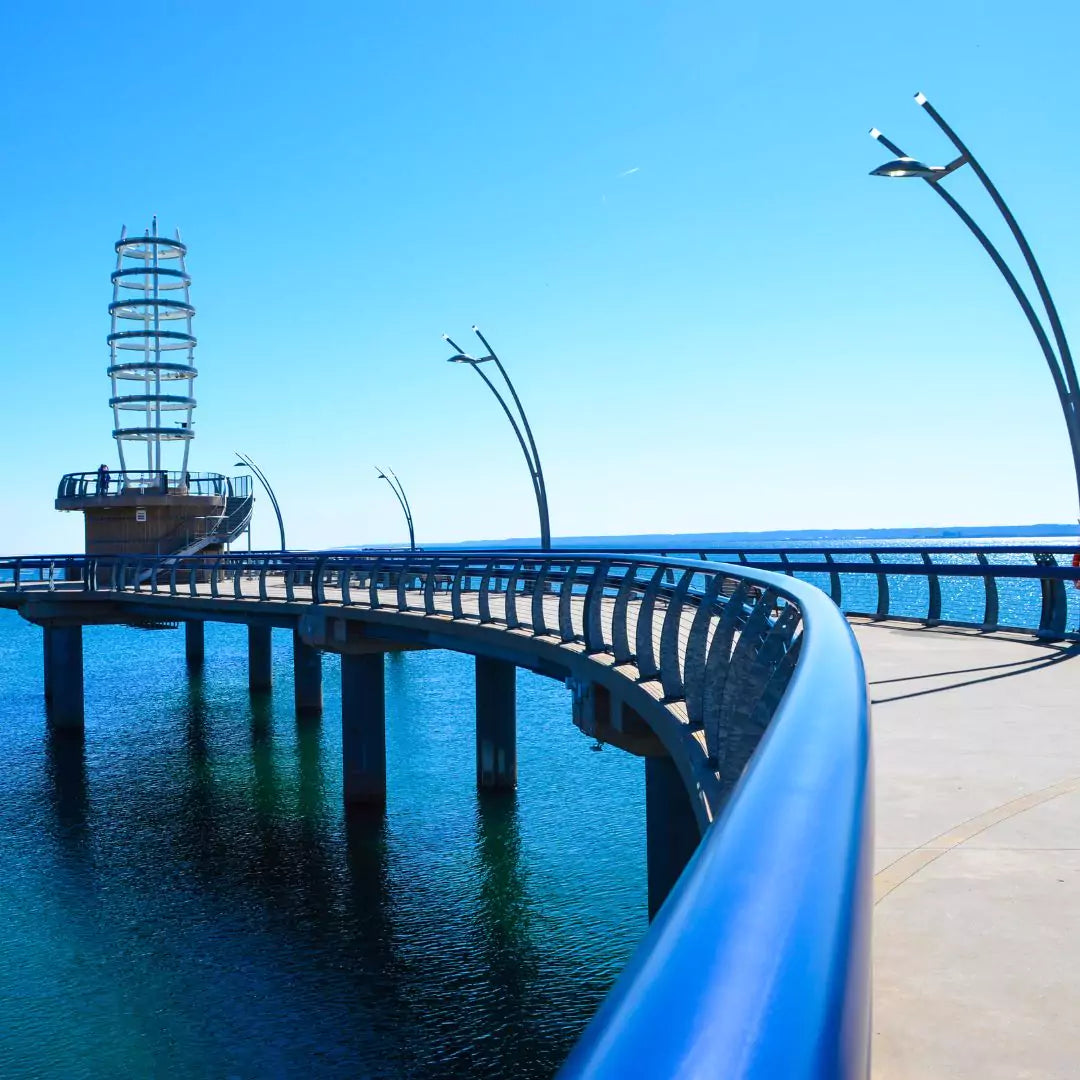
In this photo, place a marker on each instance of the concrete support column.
(671, 832)
(363, 729)
(496, 725)
(194, 642)
(64, 676)
(307, 676)
(259, 657)
(46, 657)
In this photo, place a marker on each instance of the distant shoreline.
(776, 536)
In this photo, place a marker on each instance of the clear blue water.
(181, 894)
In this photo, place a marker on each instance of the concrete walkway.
(977, 887)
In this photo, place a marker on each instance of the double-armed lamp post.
(522, 431)
(1057, 354)
(246, 463)
(399, 491)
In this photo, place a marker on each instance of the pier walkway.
(977, 862)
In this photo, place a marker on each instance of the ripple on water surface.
(182, 896)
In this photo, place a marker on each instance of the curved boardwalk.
(977, 884)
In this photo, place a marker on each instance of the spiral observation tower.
(154, 504)
(152, 351)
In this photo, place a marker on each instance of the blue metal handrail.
(758, 964)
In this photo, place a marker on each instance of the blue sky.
(659, 213)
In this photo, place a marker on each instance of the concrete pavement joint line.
(896, 873)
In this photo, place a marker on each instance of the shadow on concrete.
(1017, 667)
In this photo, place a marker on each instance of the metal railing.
(150, 482)
(758, 963)
(1021, 588)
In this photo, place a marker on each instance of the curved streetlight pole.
(525, 440)
(246, 462)
(1060, 362)
(399, 491)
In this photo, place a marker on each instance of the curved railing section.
(758, 964)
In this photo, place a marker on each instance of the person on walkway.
(103, 479)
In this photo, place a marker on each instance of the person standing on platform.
(103, 479)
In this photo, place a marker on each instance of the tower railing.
(129, 482)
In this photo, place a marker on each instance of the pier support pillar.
(671, 833)
(363, 730)
(46, 657)
(307, 676)
(259, 656)
(64, 676)
(194, 642)
(496, 725)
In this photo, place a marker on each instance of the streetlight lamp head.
(905, 167)
(461, 358)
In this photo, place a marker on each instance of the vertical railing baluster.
(1054, 604)
(482, 599)
(373, 584)
(671, 676)
(592, 619)
(430, 585)
(882, 589)
(990, 610)
(933, 607)
(644, 639)
(836, 591)
(620, 633)
(402, 582)
(456, 610)
(539, 625)
(696, 648)
(512, 621)
(566, 600)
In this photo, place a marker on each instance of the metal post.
(399, 492)
(1060, 363)
(261, 477)
(528, 448)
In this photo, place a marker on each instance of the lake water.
(181, 895)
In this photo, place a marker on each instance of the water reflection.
(211, 909)
(66, 778)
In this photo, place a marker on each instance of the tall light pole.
(528, 448)
(245, 462)
(1058, 355)
(399, 491)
